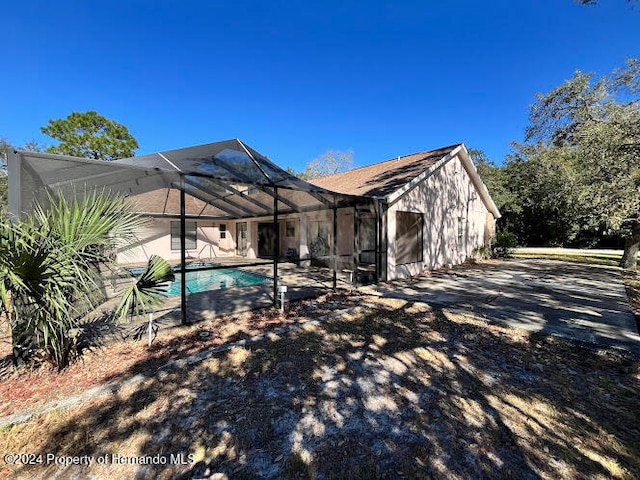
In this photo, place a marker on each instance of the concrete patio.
(584, 302)
(580, 301)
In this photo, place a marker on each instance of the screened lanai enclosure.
(235, 226)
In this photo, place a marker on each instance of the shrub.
(49, 266)
(504, 244)
(482, 252)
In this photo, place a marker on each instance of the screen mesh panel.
(223, 180)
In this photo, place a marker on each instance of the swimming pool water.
(205, 280)
(176, 268)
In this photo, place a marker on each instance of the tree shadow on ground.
(572, 300)
(400, 391)
(96, 331)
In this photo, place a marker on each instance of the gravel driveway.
(580, 301)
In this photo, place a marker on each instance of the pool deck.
(301, 282)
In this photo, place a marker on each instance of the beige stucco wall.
(155, 239)
(445, 196)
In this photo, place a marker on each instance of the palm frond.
(92, 223)
(148, 290)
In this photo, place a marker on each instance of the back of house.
(433, 209)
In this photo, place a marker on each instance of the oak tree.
(593, 124)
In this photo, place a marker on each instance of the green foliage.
(148, 290)
(294, 173)
(37, 287)
(5, 146)
(577, 180)
(535, 195)
(497, 181)
(547, 204)
(34, 147)
(4, 197)
(483, 252)
(90, 135)
(504, 245)
(91, 226)
(592, 128)
(49, 266)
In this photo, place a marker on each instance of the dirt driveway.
(580, 301)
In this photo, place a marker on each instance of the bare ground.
(397, 391)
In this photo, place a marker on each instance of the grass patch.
(595, 259)
(397, 391)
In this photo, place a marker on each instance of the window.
(409, 237)
(189, 237)
(460, 235)
(223, 231)
(290, 230)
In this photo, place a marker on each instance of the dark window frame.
(290, 229)
(190, 238)
(409, 237)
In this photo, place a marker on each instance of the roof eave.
(465, 158)
(393, 197)
(477, 181)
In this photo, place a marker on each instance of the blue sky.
(293, 79)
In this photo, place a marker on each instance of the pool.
(176, 268)
(205, 280)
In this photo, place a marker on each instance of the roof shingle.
(382, 179)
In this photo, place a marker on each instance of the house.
(435, 209)
(224, 201)
(412, 213)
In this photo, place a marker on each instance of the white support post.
(282, 289)
(150, 328)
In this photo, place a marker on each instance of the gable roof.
(390, 179)
(382, 179)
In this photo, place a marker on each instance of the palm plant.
(147, 291)
(36, 278)
(49, 267)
